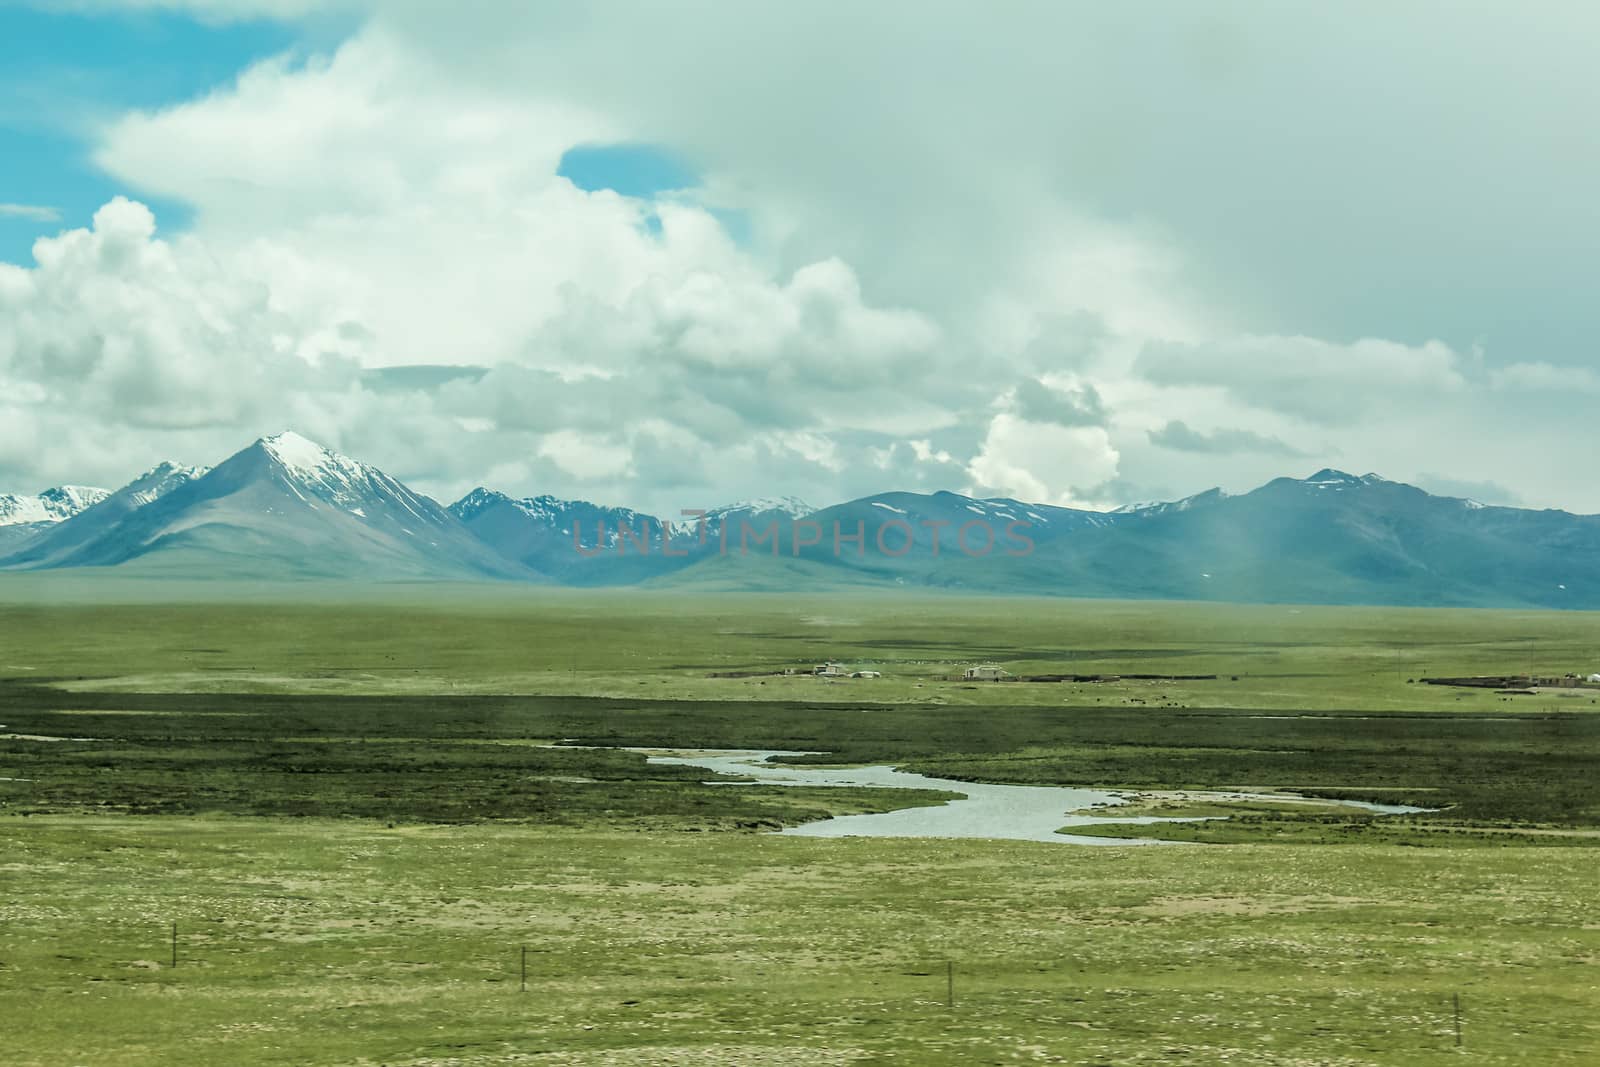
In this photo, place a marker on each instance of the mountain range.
(286, 508)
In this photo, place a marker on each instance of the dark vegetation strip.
(271, 753)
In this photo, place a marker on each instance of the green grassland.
(359, 804)
(310, 637)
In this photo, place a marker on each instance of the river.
(1007, 812)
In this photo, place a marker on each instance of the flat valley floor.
(362, 826)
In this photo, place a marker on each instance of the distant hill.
(286, 508)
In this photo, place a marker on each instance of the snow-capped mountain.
(55, 544)
(1149, 509)
(287, 507)
(50, 506)
(778, 506)
(283, 507)
(553, 515)
(157, 482)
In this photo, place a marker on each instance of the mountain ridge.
(286, 507)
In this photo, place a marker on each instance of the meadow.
(360, 806)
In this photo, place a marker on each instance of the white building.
(985, 672)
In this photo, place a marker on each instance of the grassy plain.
(345, 799)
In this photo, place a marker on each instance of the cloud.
(1177, 436)
(1322, 381)
(30, 212)
(1546, 378)
(1042, 462)
(1070, 406)
(207, 10)
(980, 272)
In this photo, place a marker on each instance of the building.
(830, 670)
(985, 672)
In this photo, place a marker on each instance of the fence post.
(524, 968)
(1457, 998)
(949, 983)
(174, 944)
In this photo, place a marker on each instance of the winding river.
(1009, 812)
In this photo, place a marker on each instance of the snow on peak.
(52, 505)
(310, 464)
(160, 480)
(476, 501)
(1158, 507)
(302, 455)
(312, 471)
(1329, 478)
(794, 507)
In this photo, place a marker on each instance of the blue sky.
(63, 74)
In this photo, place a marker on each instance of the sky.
(671, 256)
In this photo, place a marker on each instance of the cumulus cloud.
(1043, 462)
(1078, 405)
(127, 330)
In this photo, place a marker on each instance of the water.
(1009, 812)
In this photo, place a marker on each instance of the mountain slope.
(572, 541)
(1330, 538)
(71, 535)
(282, 508)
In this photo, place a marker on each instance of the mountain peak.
(1332, 478)
(52, 505)
(294, 451)
(477, 501)
(307, 463)
(1208, 496)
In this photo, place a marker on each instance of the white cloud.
(1043, 462)
(30, 212)
(1322, 381)
(1545, 378)
(587, 456)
